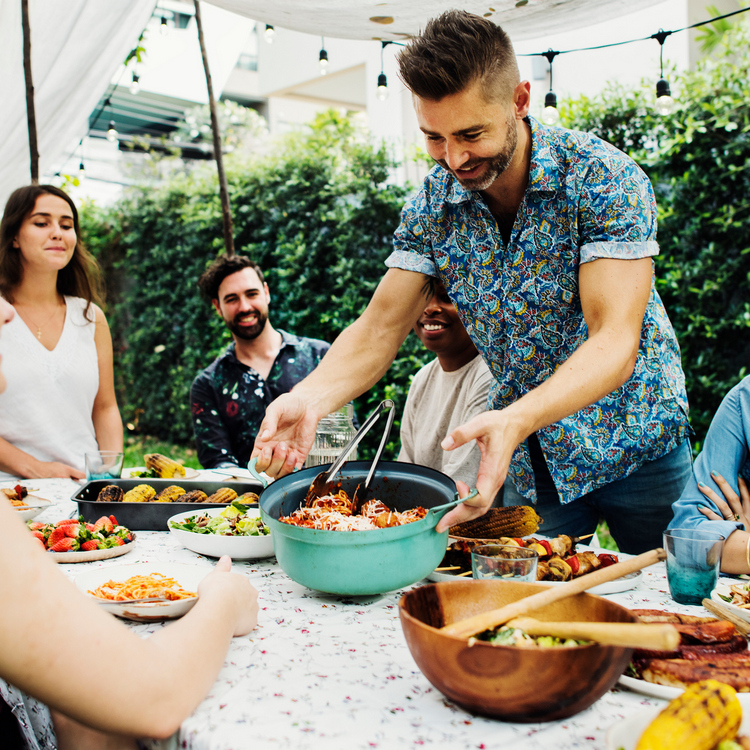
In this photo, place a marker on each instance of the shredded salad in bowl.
(232, 521)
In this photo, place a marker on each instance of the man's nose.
(455, 155)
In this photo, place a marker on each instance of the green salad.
(508, 636)
(232, 521)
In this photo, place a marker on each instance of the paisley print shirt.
(520, 302)
(228, 400)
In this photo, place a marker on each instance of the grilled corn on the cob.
(165, 467)
(222, 495)
(512, 521)
(169, 494)
(194, 496)
(704, 715)
(110, 494)
(140, 494)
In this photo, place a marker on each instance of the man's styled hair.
(455, 50)
(219, 269)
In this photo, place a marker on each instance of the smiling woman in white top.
(60, 400)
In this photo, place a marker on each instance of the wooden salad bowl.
(505, 682)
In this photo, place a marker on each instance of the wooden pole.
(226, 211)
(30, 111)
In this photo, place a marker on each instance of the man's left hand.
(497, 435)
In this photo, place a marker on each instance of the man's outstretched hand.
(285, 436)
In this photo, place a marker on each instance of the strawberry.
(91, 544)
(38, 535)
(89, 527)
(66, 522)
(56, 536)
(36, 525)
(114, 521)
(104, 524)
(66, 544)
(72, 531)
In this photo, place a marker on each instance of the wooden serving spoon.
(658, 636)
(487, 620)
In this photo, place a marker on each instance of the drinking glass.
(504, 561)
(693, 558)
(103, 465)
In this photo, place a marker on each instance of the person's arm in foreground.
(141, 688)
(105, 415)
(614, 295)
(358, 358)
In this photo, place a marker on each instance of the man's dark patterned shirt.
(228, 399)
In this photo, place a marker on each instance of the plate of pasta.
(169, 589)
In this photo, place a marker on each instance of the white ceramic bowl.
(37, 505)
(188, 576)
(215, 545)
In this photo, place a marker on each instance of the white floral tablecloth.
(333, 672)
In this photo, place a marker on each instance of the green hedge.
(317, 215)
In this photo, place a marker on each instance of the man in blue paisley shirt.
(228, 398)
(544, 239)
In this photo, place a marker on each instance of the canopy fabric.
(399, 19)
(76, 48)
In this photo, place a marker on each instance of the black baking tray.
(150, 516)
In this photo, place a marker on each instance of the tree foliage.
(317, 214)
(698, 159)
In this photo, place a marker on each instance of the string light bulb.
(111, 132)
(664, 104)
(382, 90)
(135, 85)
(269, 33)
(550, 114)
(81, 170)
(163, 28)
(323, 57)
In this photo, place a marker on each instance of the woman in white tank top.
(60, 399)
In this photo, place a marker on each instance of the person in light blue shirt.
(716, 497)
(544, 240)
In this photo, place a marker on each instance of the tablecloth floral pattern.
(335, 672)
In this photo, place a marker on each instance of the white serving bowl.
(215, 545)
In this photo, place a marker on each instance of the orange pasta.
(142, 587)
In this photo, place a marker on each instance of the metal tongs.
(322, 484)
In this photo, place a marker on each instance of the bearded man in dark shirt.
(229, 398)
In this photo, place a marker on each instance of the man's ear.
(215, 303)
(265, 289)
(522, 99)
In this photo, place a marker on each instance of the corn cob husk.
(222, 495)
(140, 494)
(169, 494)
(699, 719)
(513, 521)
(165, 467)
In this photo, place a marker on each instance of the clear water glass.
(103, 465)
(504, 562)
(693, 560)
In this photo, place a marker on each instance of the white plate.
(624, 734)
(723, 587)
(215, 545)
(93, 554)
(188, 576)
(38, 505)
(624, 583)
(667, 692)
(128, 473)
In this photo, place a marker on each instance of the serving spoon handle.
(493, 618)
(657, 636)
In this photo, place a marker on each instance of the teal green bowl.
(361, 563)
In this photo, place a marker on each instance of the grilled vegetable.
(248, 497)
(698, 719)
(140, 494)
(169, 494)
(110, 494)
(513, 521)
(165, 467)
(194, 496)
(222, 495)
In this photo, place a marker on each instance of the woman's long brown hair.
(82, 276)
